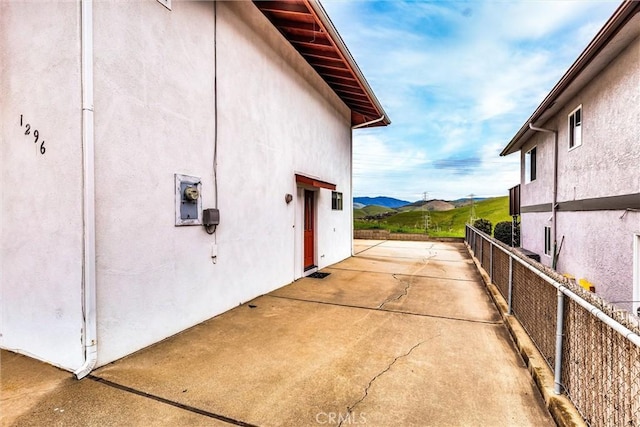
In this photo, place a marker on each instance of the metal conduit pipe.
(89, 327)
(554, 201)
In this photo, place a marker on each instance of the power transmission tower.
(426, 216)
(472, 214)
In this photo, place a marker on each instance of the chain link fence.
(599, 353)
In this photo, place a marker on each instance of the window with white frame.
(336, 201)
(547, 240)
(530, 165)
(575, 128)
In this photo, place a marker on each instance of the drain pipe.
(554, 202)
(361, 125)
(557, 371)
(89, 329)
(351, 190)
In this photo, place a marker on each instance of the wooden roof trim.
(314, 182)
(288, 6)
(318, 11)
(306, 25)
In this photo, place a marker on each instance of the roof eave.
(308, 28)
(342, 47)
(620, 17)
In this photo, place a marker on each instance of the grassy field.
(443, 223)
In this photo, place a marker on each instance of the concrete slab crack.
(378, 375)
(403, 294)
(407, 283)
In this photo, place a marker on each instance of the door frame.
(298, 232)
(313, 266)
(305, 182)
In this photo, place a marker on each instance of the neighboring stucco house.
(580, 165)
(128, 126)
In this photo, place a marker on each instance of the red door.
(309, 235)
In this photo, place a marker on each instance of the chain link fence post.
(557, 372)
(491, 262)
(510, 295)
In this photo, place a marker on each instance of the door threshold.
(310, 270)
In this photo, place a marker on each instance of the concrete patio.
(403, 334)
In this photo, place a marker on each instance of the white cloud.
(457, 79)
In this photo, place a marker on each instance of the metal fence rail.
(592, 347)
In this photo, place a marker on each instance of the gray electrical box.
(188, 200)
(211, 217)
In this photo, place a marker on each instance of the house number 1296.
(35, 134)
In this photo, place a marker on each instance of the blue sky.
(457, 79)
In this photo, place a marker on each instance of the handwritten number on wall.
(36, 134)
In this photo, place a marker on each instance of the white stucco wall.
(598, 245)
(154, 112)
(540, 190)
(41, 234)
(277, 117)
(606, 164)
(532, 233)
(154, 117)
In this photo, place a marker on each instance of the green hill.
(442, 223)
(370, 210)
(375, 209)
(359, 213)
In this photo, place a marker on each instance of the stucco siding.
(533, 238)
(41, 234)
(291, 122)
(598, 247)
(606, 164)
(598, 244)
(541, 189)
(155, 116)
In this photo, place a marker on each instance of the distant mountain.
(441, 223)
(358, 205)
(388, 202)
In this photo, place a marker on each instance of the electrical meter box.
(211, 217)
(188, 199)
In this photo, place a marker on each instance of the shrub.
(502, 232)
(483, 225)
